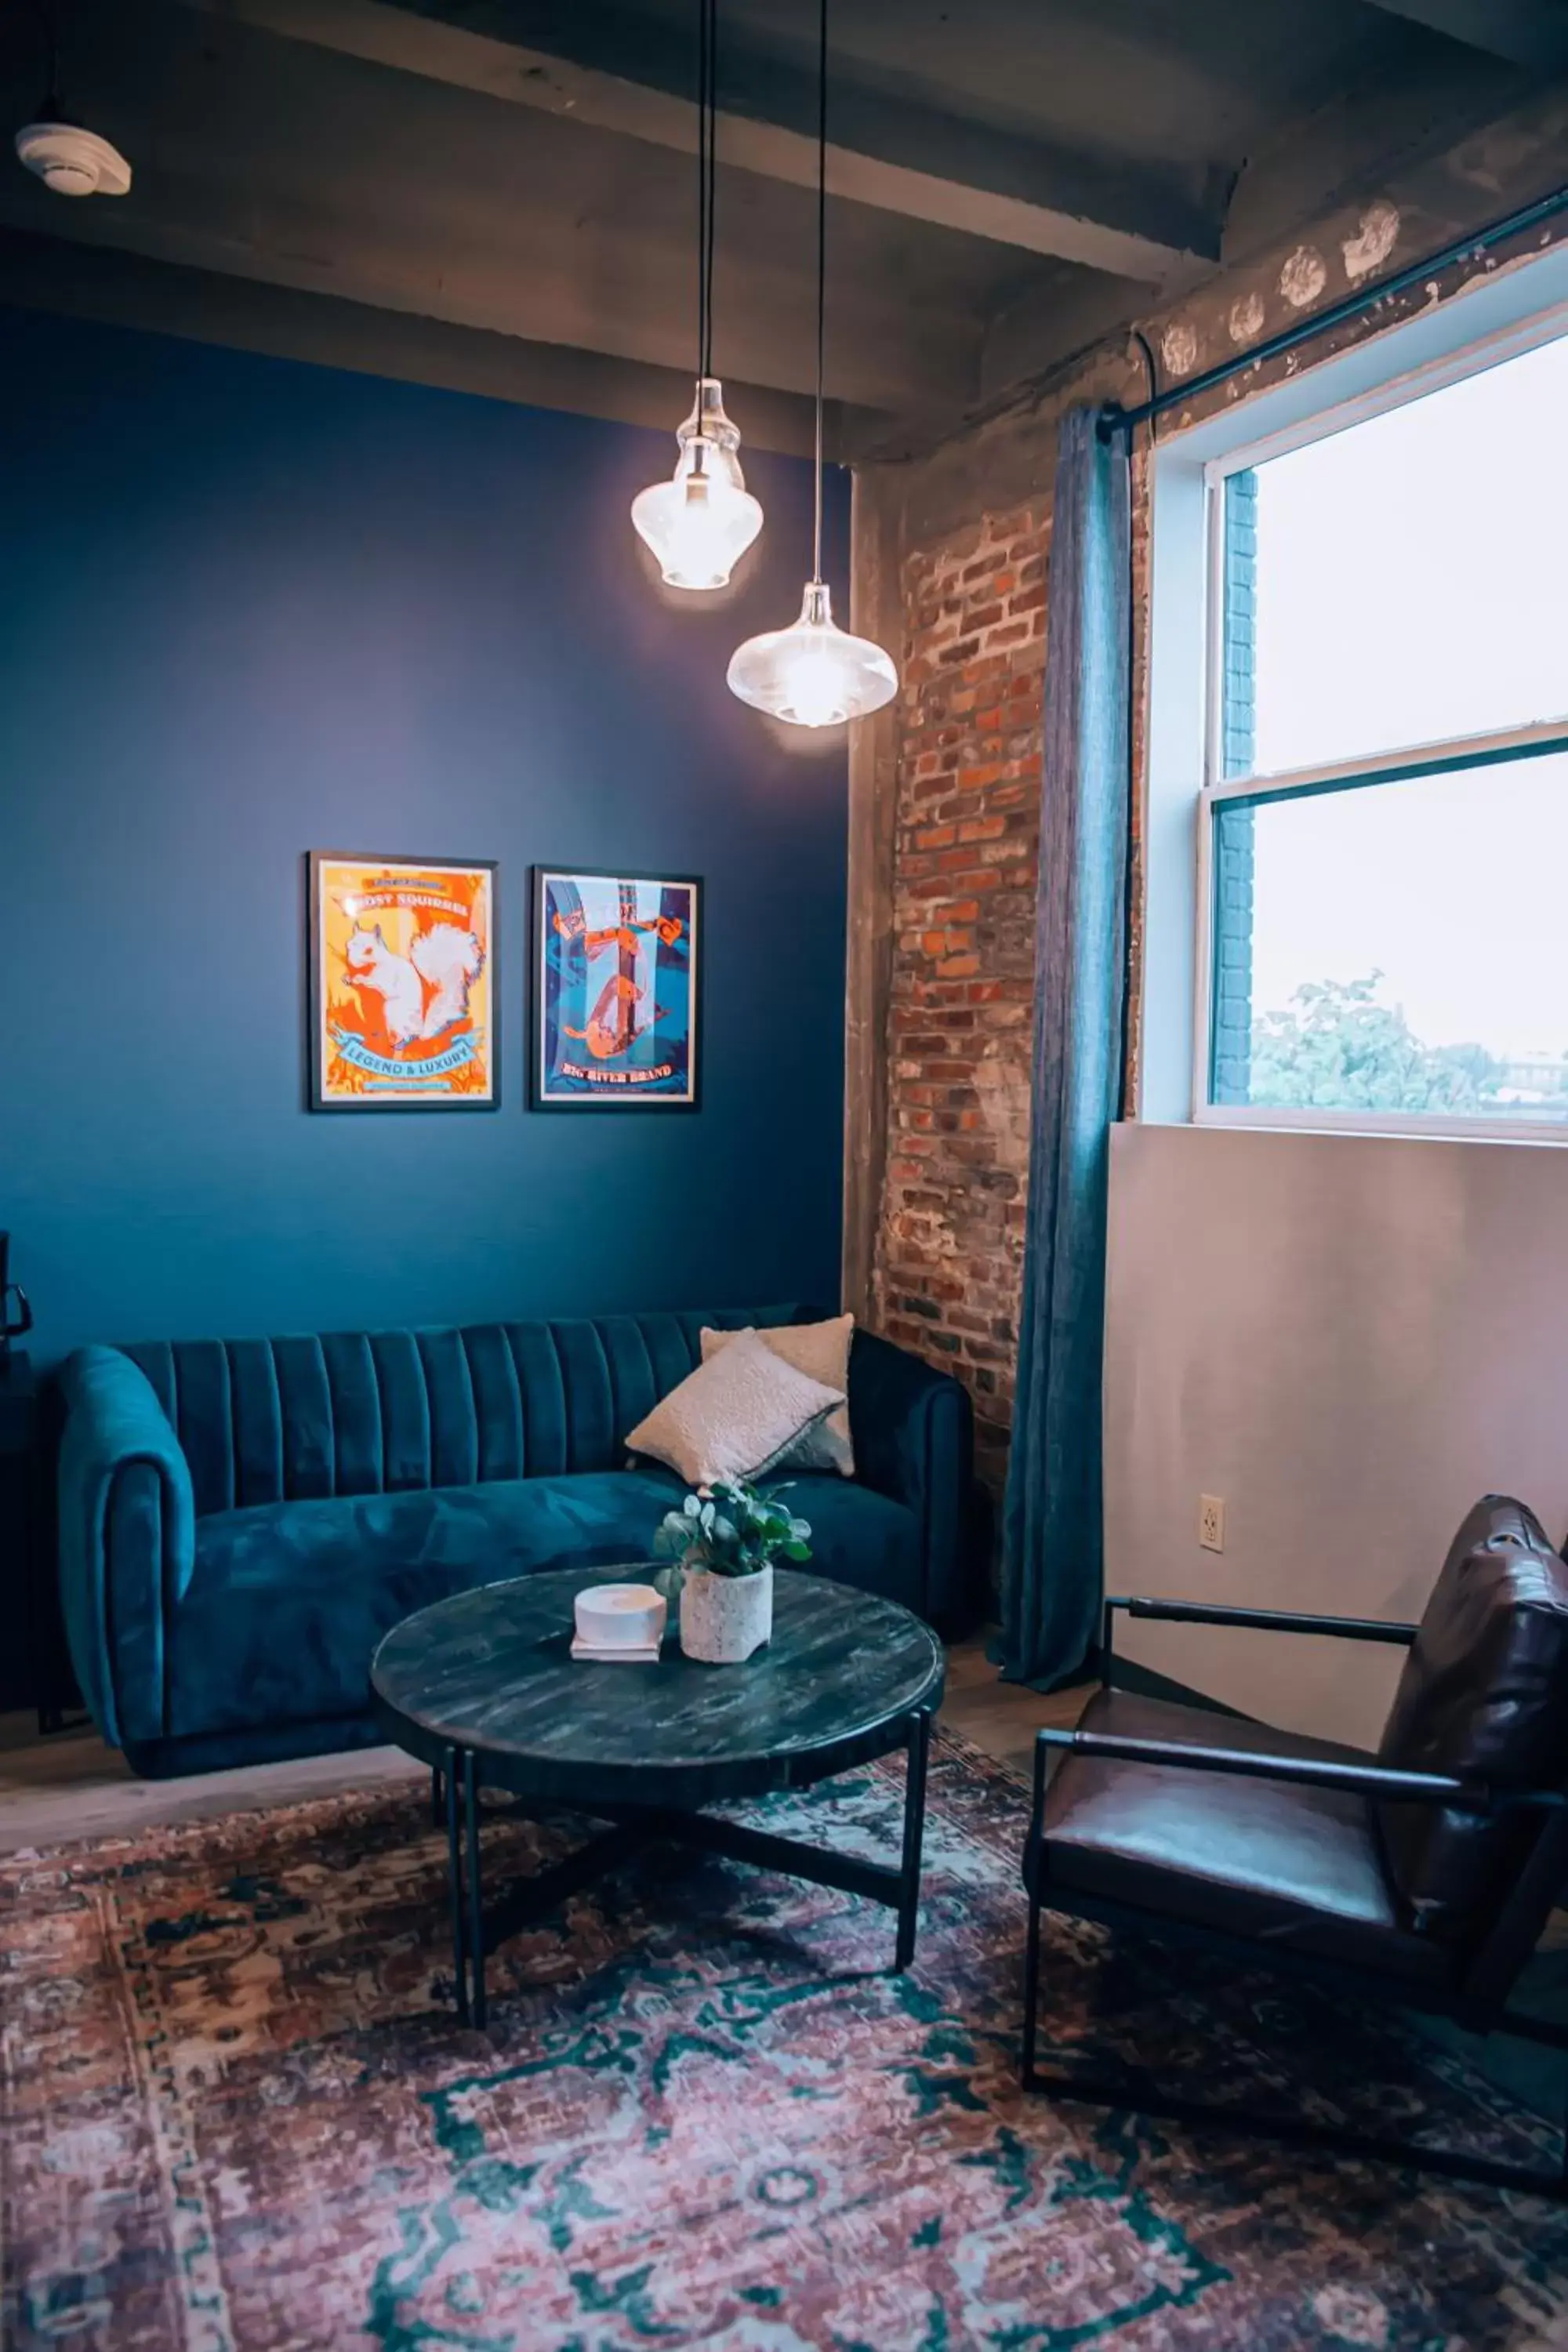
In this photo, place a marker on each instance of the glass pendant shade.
(813, 674)
(701, 522)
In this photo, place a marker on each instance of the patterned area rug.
(237, 2115)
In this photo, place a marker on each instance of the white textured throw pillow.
(821, 1351)
(735, 1416)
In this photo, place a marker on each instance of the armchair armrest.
(914, 1441)
(127, 1539)
(1260, 1620)
(1309, 1772)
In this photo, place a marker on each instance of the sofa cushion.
(367, 1413)
(821, 1351)
(287, 1601)
(736, 1416)
(859, 1537)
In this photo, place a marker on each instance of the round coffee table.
(484, 1689)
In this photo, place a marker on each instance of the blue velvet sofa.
(241, 1520)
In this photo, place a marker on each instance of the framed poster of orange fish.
(618, 991)
(401, 983)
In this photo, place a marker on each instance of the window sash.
(1408, 763)
(1498, 313)
(1548, 326)
(1396, 766)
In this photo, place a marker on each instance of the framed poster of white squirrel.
(401, 983)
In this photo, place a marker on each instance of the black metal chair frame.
(1477, 1999)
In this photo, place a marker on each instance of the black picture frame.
(615, 1099)
(318, 862)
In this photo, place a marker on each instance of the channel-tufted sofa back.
(366, 1413)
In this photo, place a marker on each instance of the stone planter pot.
(724, 1618)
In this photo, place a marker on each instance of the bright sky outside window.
(1398, 945)
(1412, 577)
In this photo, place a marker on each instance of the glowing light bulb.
(701, 522)
(813, 674)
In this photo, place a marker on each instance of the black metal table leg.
(539, 1897)
(477, 1932)
(437, 1798)
(914, 1836)
(476, 1890)
(455, 1889)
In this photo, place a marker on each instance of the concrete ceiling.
(1010, 178)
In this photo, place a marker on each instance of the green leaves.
(733, 1528)
(1336, 1047)
(674, 1534)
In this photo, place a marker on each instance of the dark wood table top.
(491, 1671)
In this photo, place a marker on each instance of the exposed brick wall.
(947, 1248)
(950, 1240)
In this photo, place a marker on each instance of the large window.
(1383, 830)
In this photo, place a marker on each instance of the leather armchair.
(1421, 1875)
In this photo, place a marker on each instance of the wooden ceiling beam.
(1529, 33)
(888, 153)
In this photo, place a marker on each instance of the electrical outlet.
(1211, 1522)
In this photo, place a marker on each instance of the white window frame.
(1495, 319)
(1406, 765)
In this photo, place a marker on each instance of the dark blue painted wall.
(251, 608)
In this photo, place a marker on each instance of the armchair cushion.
(1481, 1696)
(1297, 1867)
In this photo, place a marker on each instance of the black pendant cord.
(1353, 306)
(53, 108)
(702, 179)
(711, 7)
(821, 275)
(707, 114)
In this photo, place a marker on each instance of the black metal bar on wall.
(1115, 419)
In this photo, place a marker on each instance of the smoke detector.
(72, 161)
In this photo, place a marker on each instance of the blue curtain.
(1051, 1566)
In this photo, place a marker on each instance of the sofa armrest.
(913, 1431)
(127, 1540)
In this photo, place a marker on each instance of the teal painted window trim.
(1230, 1027)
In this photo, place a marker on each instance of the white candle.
(620, 1616)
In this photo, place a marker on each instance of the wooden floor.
(70, 1786)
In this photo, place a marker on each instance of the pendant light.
(70, 159)
(701, 522)
(814, 673)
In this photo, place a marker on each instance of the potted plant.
(725, 1539)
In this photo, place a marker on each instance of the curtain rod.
(1115, 419)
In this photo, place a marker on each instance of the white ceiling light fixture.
(73, 161)
(701, 522)
(814, 673)
(69, 159)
